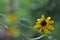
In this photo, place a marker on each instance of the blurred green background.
(27, 11)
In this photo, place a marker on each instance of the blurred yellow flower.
(11, 31)
(12, 17)
(44, 24)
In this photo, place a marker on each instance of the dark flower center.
(43, 23)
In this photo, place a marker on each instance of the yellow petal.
(40, 29)
(45, 30)
(47, 19)
(43, 17)
(50, 27)
(38, 20)
(38, 23)
(36, 26)
(51, 22)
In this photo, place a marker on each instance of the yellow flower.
(44, 24)
(11, 31)
(12, 17)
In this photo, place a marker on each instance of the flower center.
(43, 23)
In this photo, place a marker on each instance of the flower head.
(12, 17)
(44, 24)
(11, 31)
